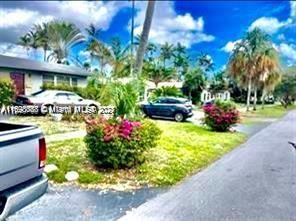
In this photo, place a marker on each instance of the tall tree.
(166, 52)
(194, 80)
(205, 62)
(144, 36)
(119, 56)
(157, 73)
(63, 36)
(181, 60)
(42, 38)
(25, 42)
(252, 60)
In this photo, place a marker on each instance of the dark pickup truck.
(22, 159)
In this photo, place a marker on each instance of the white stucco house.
(207, 95)
(28, 75)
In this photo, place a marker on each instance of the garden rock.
(71, 176)
(50, 168)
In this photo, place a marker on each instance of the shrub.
(91, 91)
(7, 91)
(220, 116)
(123, 97)
(119, 143)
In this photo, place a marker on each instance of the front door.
(18, 79)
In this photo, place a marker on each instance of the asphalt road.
(256, 181)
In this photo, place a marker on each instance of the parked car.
(22, 159)
(178, 109)
(54, 98)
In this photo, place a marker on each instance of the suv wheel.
(179, 117)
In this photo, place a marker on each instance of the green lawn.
(47, 125)
(274, 111)
(183, 149)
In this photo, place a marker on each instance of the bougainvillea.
(119, 142)
(220, 116)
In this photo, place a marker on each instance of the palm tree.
(42, 38)
(92, 31)
(25, 42)
(205, 62)
(144, 36)
(157, 73)
(119, 55)
(181, 60)
(166, 52)
(62, 37)
(86, 65)
(252, 60)
(269, 84)
(194, 79)
(33, 38)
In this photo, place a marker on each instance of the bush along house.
(29, 76)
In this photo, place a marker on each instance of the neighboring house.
(28, 75)
(207, 95)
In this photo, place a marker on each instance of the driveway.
(70, 203)
(256, 181)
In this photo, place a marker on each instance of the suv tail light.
(42, 153)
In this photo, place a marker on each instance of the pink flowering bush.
(220, 116)
(119, 143)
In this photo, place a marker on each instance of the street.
(256, 181)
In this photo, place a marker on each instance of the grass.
(183, 149)
(273, 111)
(47, 125)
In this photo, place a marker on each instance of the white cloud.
(289, 52)
(14, 50)
(293, 8)
(16, 18)
(168, 26)
(269, 24)
(230, 46)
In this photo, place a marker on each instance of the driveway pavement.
(74, 204)
(256, 181)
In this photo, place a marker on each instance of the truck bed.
(19, 154)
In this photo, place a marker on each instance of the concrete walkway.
(256, 181)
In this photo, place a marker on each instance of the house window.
(63, 79)
(48, 79)
(74, 82)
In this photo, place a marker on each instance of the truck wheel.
(179, 117)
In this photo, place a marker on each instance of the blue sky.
(211, 27)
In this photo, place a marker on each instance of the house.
(28, 75)
(207, 95)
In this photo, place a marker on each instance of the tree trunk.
(144, 36)
(190, 96)
(255, 98)
(44, 55)
(263, 99)
(249, 94)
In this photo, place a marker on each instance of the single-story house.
(28, 75)
(207, 95)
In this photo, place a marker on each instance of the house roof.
(26, 64)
